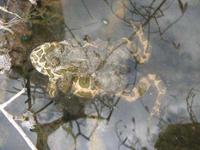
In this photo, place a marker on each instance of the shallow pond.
(109, 123)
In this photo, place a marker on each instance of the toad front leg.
(52, 88)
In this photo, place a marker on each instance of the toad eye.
(55, 62)
(59, 48)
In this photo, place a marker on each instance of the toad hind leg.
(143, 86)
(141, 54)
(64, 84)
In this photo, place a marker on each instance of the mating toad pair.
(88, 69)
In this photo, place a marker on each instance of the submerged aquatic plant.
(6, 26)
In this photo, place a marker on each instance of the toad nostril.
(39, 53)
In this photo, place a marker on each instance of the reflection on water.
(106, 121)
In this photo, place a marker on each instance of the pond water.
(69, 122)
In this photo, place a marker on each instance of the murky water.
(69, 122)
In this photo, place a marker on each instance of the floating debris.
(105, 21)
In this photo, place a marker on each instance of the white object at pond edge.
(12, 121)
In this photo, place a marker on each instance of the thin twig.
(9, 12)
(88, 11)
